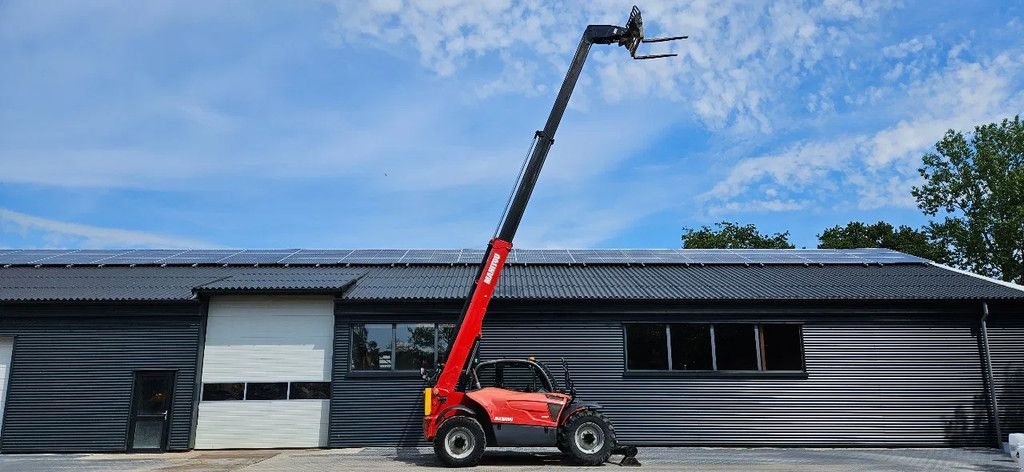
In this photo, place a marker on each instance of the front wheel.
(588, 437)
(460, 442)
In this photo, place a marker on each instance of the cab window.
(515, 376)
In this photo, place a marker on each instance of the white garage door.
(263, 358)
(6, 348)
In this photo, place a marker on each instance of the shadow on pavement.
(496, 458)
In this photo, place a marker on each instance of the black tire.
(460, 442)
(588, 437)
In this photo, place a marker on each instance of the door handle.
(165, 415)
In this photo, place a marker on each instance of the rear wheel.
(460, 442)
(588, 437)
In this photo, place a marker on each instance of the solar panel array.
(174, 257)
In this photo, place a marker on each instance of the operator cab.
(513, 374)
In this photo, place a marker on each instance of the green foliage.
(730, 235)
(904, 239)
(976, 185)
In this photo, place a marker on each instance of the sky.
(402, 124)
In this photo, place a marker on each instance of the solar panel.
(199, 257)
(257, 256)
(451, 256)
(317, 256)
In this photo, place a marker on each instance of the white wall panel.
(262, 424)
(269, 339)
(6, 347)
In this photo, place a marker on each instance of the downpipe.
(989, 377)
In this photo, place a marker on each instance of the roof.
(654, 275)
(321, 257)
(149, 283)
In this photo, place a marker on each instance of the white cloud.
(738, 64)
(62, 233)
(908, 47)
(877, 169)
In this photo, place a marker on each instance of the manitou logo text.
(503, 419)
(491, 268)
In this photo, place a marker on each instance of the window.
(372, 346)
(266, 391)
(735, 347)
(310, 391)
(445, 336)
(517, 376)
(691, 347)
(487, 376)
(647, 346)
(414, 346)
(399, 346)
(213, 392)
(714, 347)
(781, 348)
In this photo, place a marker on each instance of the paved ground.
(523, 460)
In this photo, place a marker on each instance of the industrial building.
(148, 350)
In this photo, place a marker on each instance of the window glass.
(781, 347)
(371, 347)
(520, 377)
(486, 376)
(691, 347)
(213, 392)
(414, 346)
(647, 346)
(310, 391)
(735, 347)
(446, 334)
(266, 391)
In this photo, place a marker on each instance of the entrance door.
(151, 407)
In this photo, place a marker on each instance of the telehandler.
(515, 402)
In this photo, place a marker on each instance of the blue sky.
(402, 124)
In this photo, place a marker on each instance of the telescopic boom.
(471, 320)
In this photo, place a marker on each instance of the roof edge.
(979, 276)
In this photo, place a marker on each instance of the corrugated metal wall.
(72, 374)
(872, 379)
(372, 411)
(1006, 343)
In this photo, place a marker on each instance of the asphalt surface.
(523, 460)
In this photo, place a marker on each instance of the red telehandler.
(513, 402)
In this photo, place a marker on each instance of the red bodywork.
(502, 406)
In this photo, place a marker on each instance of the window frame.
(393, 371)
(715, 372)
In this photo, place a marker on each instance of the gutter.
(989, 377)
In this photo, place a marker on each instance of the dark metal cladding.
(372, 410)
(72, 373)
(1006, 343)
(894, 375)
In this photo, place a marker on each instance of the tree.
(904, 239)
(977, 187)
(730, 235)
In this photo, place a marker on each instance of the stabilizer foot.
(628, 456)
(629, 462)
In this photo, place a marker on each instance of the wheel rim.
(459, 443)
(589, 438)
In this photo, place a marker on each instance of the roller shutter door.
(266, 340)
